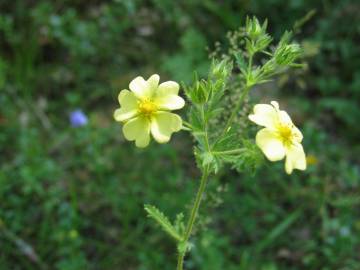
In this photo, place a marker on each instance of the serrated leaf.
(179, 223)
(162, 220)
(249, 160)
(241, 62)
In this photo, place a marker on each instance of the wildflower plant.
(215, 117)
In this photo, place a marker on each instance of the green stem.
(234, 112)
(187, 124)
(229, 152)
(243, 94)
(186, 128)
(250, 63)
(205, 128)
(193, 215)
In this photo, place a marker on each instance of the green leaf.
(179, 223)
(162, 220)
(240, 61)
(250, 159)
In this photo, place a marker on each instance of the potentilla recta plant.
(214, 117)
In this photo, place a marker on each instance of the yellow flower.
(145, 109)
(280, 137)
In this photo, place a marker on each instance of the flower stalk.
(183, 246)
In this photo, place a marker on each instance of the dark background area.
(72, 198)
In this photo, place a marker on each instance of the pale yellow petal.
(269, 142)
(141, 88)
(284, 118)
(153, 82)
(169, 102)
(264, 115)
(128, 103)
(298, 137)
(275, 104)
(127, 99)
(164, 124)
(123, 114)
(138, 130)
(167, 88)
(295, 158)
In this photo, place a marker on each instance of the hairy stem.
(243, 94)
(205, 129)
(229, 152)
(193, 214)
(234, 112)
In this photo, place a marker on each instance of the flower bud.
(254, 29)
(198, 92)
(220, 70)
(286, 54)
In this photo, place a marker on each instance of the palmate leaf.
(228, 141)
(163, 221)
(250, 160)
(241, 154)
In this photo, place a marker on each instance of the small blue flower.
(78, 118)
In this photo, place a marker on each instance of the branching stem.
(243, 94)
(229, 122)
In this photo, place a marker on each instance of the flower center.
(285, 133)
(147, 107)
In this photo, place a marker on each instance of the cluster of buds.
(201, 90)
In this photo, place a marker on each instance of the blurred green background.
(72, 198)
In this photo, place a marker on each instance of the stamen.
(147, 107)
(286, 134)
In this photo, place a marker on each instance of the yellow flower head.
(145, 109)
(280, 137)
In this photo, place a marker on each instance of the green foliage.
(207, 96)
(249, 160)
(219, 141)
(164, 222)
